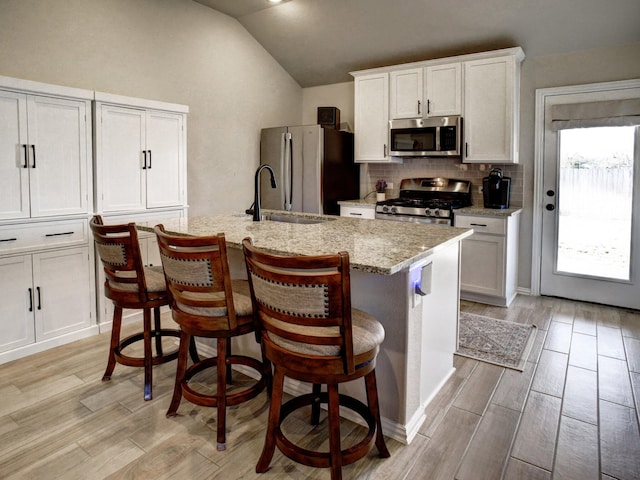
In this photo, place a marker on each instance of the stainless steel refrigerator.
(314, 169)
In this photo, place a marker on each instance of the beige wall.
(600, 65)
(168, 50)
(338, 95)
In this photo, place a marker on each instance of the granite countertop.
(375, 246)
(359, 202)
(488, 212)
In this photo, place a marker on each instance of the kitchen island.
(389, 261)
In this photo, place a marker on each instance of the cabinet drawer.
(493, 225)
(358, 212)
(42, 235)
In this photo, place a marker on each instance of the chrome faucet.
(256, 190)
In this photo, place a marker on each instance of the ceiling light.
(274, 1)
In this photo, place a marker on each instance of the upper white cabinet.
(371, 117)
(482, 87)
(443, 90)
(140, 154)
(45, 151)
(406, 93)
(491, 110)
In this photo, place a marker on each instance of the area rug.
(500, 342)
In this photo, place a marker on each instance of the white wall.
(168, 50)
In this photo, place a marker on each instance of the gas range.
(426, 200)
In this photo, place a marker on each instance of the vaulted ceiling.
(320, 41)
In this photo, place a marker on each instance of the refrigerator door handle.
(288, 181)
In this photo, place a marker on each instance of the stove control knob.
(385, 209)
(427, 212)
(436, 212)
(394, 210)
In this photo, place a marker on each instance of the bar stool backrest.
(303, 303)
(198, 278)
(119, 252)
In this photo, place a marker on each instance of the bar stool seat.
(205, 302)
(129, 284)
(310, 333)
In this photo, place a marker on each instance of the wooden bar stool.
(205, 302)
(310, 333)
(129, 284)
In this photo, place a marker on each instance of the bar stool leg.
(193, 350)
(221, 393)
(157, 328)
(181, 370)
(315, 406)
(148, 354)
(372, 400)
(115, 341)
(334, 432)
(273, 422)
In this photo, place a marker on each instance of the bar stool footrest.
(235, 398)
(131, 361)
(314, 458)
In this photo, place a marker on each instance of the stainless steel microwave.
(421, 137)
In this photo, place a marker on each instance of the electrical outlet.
(479, 188)
(390, 185)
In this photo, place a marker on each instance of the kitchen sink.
(274, 217)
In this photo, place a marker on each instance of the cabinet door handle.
(478, 224)
(466, 149)
(58, 234)
(8, 239)
(39, 302)
(149, 159)
(33, 152)
(144, 161)
(356, 214)
(428, 107)
(419, 107)
(30, 300)
(26, 156)
(385, 150)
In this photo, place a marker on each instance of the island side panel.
(440, 313)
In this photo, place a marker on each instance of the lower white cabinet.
(43, 297)
(489, 263)
(357, 211)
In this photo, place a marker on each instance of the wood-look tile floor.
(572, 414)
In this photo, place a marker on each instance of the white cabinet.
(47, 294)
(46, 298)
(358, 211)
(491, 109)
(140, 155)
(405, 94)
(489, 259)
(17, 327)
(443, 90)
(45, 148)
(371, 117)
(482, 87)
(432, 91)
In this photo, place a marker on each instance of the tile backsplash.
(439, 167)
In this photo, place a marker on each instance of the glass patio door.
(590, 220)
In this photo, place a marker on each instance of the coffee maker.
(496, 189)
